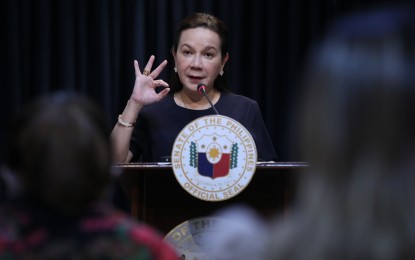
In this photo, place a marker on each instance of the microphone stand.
(202, 88)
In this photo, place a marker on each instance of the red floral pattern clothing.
(103, 233)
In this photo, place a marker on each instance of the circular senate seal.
(214, 158)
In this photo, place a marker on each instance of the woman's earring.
(221, 72)
(175, 69)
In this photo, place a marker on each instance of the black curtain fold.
(89, 46)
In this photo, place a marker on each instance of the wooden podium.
(158, 199)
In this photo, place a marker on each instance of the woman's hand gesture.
(144, 91)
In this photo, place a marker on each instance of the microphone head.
(201, 88)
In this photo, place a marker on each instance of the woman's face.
(198, 58)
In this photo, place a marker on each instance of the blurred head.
(200, 51)
(360, 90)
(59, 149)
(357, 125)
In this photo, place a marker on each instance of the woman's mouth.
(195, 79)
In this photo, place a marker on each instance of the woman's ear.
(174, 54)
(174, 57)
(224, 60)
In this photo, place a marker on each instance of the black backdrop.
(89, 46)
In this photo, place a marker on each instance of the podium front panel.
(157, 198)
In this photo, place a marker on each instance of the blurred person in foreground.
(60, 153)
(357, 200)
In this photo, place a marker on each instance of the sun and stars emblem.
(214, 150)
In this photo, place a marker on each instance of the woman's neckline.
(185, 102)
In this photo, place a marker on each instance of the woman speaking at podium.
(152, 119)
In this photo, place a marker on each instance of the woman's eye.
(209, 55)
(186, 53)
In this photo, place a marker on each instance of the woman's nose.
(197, 62)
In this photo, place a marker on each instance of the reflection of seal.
(192, 239)
(214, 158)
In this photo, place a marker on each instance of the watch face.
(214, 158)
(194, 239)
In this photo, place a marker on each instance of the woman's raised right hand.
(144, 91)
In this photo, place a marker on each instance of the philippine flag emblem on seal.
(214, 158)
(214, 155)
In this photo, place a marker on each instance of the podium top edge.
(166, 165)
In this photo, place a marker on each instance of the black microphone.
(201, 88)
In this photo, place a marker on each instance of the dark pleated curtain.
(89, 46)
